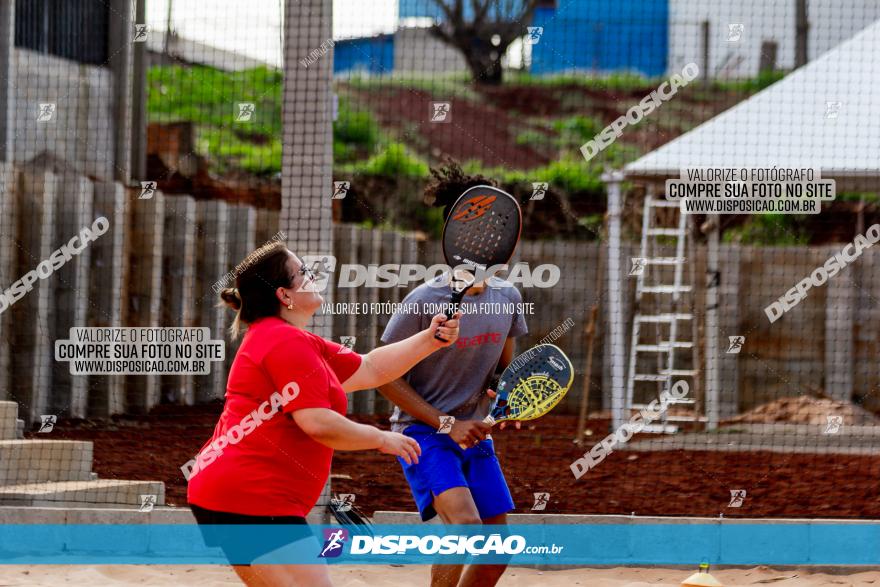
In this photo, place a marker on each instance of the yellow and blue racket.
(532, 384)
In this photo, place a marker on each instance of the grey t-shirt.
(454, 379)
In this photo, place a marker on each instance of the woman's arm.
(390, 362)
(338, 432)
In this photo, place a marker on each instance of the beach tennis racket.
(481, 230)
(531, 385)
(350, 516)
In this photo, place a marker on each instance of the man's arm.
(401, 394)
(506, 354)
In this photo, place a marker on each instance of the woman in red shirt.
(269, 457)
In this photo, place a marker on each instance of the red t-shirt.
(270, 467)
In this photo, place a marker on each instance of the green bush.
(623, 82)
(580, 128)
(534, 138)
(209, 99)
(226, 150)
(756, 84)
(355, 127)
(574, 176)
(769, 229)
(207, 96)
(394, 161)
(571, 175)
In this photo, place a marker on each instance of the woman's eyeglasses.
(307, 273)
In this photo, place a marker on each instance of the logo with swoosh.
(476, 207)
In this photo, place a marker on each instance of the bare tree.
(485, 34)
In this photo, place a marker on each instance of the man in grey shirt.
(463, 486)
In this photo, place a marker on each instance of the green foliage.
(355, 132)
(595, 223)
(535, 139)
(571, 175)
(622, 82)
(581, 128)
(206, 96)
(209, 99)
(433, 222)
(451, 85)
(756, 84)
(868, 198)
(228, 150)
(769, 229)
(395, 160)
(574, 176)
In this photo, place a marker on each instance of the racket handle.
(488, 420)
(451, 309)
(454, 303)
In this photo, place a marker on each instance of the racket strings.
(533, 397)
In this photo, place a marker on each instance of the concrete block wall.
(162, 257)
(83, 129)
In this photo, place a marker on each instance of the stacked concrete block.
(59, 473)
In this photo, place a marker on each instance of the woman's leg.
(261, 573)
(284, 575)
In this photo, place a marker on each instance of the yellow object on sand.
(702, 578)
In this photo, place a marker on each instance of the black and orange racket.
(481, 230)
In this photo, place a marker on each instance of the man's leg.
(485, 575)
(454, 506)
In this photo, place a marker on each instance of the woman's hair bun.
(231, 297)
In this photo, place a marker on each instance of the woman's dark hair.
(448, 183)
(257, 277)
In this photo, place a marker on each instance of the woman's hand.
(442, 328)
(400, 446)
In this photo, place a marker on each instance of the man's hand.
(491, 393)
(469, 432)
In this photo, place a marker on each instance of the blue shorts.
(444, 465)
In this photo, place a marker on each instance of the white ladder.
(668, 298)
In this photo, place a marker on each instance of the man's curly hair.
(448, 182)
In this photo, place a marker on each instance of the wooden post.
(802, 28)
(705, 30)
(585, 396)
(120, 62)
(767, 61)
(713, 342)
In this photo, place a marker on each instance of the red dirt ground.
(475, 131)
(486, 129)
(535, 459)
